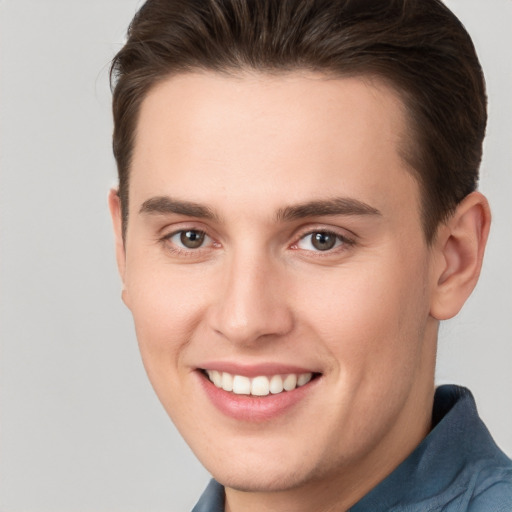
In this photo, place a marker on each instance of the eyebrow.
(335, 206)
(162, 205)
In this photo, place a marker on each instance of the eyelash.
(343, 242)
(181, 251)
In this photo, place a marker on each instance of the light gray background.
(80, 427)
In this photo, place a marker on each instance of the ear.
(460, 246)
(114, 204)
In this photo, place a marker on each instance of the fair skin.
(274, 229)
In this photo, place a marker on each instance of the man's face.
(274, 230)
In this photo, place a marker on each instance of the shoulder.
(493, 489)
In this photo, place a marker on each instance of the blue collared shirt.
(456, 468)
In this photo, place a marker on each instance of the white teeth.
(216, 378)
(304, 378)
(241, 385)
(290, 382)
(276, 384)
(227, 382)
(258, 386)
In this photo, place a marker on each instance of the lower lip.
(255, 408)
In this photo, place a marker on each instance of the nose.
(252, 304)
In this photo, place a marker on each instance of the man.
(297, 212)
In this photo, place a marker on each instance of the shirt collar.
(441, 468)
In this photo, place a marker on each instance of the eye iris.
(323, 241)
(192, 239)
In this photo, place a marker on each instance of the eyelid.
(179, 232)
(166, 233)
(343, 233)
(348, 237)
(183, 225)
(348, 240)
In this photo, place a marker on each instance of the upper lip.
(255, 370)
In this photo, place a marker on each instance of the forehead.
(207, 136)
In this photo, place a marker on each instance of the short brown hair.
(418, 46)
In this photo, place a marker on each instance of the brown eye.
(192, 239)
(323, 241)
(320, 241)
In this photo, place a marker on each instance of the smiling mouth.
(258, 386)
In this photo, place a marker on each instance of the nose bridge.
(251, 303)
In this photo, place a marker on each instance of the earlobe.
(460, 246)
(114, 205)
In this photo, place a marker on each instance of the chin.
(264, 472)
(261, 479)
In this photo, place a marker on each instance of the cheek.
(372, 322)
(370, 316)
(167, 307)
